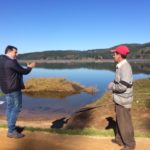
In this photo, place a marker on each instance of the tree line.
(137, 51)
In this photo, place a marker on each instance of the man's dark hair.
(9, 48)
(123, 56)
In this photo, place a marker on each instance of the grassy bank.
(141, 104)
(101, 114)
(141, 95)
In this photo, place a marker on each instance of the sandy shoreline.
(30, 123)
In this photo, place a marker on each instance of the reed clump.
(54, 87)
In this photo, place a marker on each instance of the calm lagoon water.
(98, 75)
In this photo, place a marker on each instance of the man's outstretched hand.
(31, 65)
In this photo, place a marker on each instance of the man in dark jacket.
(11, 83)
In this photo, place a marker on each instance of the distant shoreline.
(84, 61)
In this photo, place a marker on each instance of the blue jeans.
(13, 107)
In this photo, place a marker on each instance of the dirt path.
(48, 141)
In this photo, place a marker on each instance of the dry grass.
(54, 87)
(1, 94)
(141, 104)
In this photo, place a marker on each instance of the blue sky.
(37, 25)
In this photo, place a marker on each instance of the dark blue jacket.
(11, 74)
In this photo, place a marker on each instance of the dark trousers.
(124, 127)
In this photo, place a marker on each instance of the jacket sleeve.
(119, 88)
(18, 68)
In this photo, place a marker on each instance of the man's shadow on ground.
(111, 124)
(57, 124)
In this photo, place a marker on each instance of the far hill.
(137, 51)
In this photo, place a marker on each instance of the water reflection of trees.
(141, 68)
(97, 66)
(137, 67)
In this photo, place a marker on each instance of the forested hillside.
(137, 51)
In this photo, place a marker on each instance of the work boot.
(15, 134)
(126, 148)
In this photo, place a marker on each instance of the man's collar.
(9, 56)
(121, 63)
